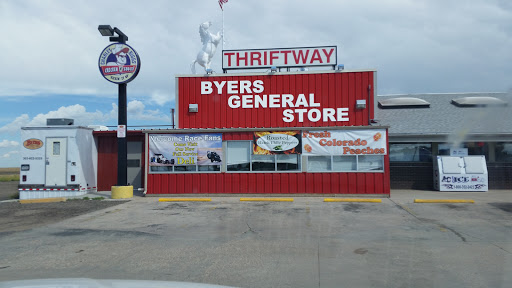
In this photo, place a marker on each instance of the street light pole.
(121, 81)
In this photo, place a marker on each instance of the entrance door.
(56, 158)
(133, 163)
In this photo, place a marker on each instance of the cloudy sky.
(49, 50)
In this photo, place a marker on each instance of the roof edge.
(220, 130)
(270, 73)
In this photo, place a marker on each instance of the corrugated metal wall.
(107, 157)
(270, 183)
(332, 90)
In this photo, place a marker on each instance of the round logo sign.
(119, 63)
(33, 144)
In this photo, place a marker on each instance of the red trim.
(115, 132)
(37, 189)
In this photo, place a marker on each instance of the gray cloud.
(416, 46)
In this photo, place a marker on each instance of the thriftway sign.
(280, 58)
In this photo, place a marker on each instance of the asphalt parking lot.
(304, 243)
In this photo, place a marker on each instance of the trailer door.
(56, 158)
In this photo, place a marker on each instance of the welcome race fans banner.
(344, 142)
(185, 149)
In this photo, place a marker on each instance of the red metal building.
(273, 133)
(228, 127)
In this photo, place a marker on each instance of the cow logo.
(119, 63)
(33, 144)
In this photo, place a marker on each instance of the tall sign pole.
(119, 63)
(122, 145)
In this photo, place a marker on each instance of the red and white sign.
(300, 102)
(121, 131)
(344, 142)
(283, 57)
(317, 99)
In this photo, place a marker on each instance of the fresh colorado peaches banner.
(344, 142)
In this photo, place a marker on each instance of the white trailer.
(57, 161)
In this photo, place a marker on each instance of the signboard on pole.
(121, 131)
(119, 63)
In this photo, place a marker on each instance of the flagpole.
(222, 28)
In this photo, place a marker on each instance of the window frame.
(432, 156)
(352, 171)
(250, 144)
(184, 172)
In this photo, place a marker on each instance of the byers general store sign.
(280, 58)
(298, 107)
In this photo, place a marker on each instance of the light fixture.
(360, 104)
(273, 69)
(193, 108)
(106, 30)
(340, 67)
(209, 71)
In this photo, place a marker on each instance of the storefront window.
(184, 168)
(239, 156)
(338, 163)
(263, 162)
(344, 163)
(287, 162)
(370, 163)
(319, 163)
(474, 148)
(503, 152)
(208, 167)
(410, 152)
(241, 159)
(160, 168)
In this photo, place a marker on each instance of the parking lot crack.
(493, 244)
(250, 229)
(432, 221)
(453, 231)
(406, 209)
(498, 246)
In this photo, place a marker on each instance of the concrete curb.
(352, 200)
(43, 200)
(268, 199)
(184, 199)
(444, 201)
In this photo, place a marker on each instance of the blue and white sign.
(185, 149)
(119, 63)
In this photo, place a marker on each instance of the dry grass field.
(9, 174)
(9, 171)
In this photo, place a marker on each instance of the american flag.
(221, 2)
